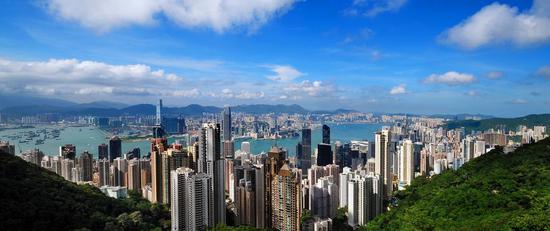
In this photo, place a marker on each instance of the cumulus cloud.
(227, 93)
(544, 72)
(85, 78)
(219, 15)
(372, 8)
(398, 90)
(494, 75)
(502, 24)
(284, 73)
(451, 78)
(309, 88)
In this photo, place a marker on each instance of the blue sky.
(412, 56)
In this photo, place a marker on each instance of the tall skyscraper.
(103, 168)
(158, 119)
(228, 149)
(326, 134)
(212, 162)
(191, 200)
(226, 114)
(246, 180)
(383, 160)
(119, 171)
(158, 146)
(324, 154)
(86, 164)
(306, 150)
(286, 199)
(134, 175)
(115, 148)
(406, 163)
(102, 151)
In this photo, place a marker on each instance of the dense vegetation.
(32, 198)
(496, 191)
(511, 123)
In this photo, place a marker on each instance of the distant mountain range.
(26, 106)
(509, 123)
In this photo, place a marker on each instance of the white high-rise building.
(479, 148)
(190, 207)
(406, 163)
(365, 199)
(383, 160)
(103, 167)
(212, 163)
(245, 147)
(345, 177)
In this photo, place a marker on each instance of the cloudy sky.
(415, 56)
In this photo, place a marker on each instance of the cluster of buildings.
(206, 182)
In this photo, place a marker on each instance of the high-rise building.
(86, 164)
(190, 201)
(134, 175)
(158, 118)
(119, 171)
(325, 198)
(67, 151)
(102, 151)
(145, 173)
(33, 156)
(324, 154)
(67, 166)
(103, 168)
(115, 148)
(286, 199)
(246, 180)
(212, 162)
(158, 146)
(383, 160)
(406, 163)
(226, 114)
(228, 149)
(245, 147)
(306, 150)
(326, 134)
(468, 145)
(364, 200)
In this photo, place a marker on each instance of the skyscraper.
(383, 160)
(102, 151)
(158, 119)
(406, 163)
(286, 199)
(326, 134)
(190, 200)
(103, 167)
(134, 175)
(86, 164)
(158, 145)
(226, 114)
(119, 171)
(306, 150)
(212, 162)
(115, 148)
(324, 154)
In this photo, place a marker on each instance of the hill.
(496, 191)
(109, 109)
(510, 123)
(33, 198)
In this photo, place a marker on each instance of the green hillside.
(510, 123)
(496, 191)
(32, 198)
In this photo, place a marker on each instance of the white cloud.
(519, 101)
(472, 93)
(502, 24)
(71, 77)
(284, 73)
(494, 75)
(372, 8)
(398, 90)
(544, 72)
(227, 93)
(310, 88)
(450, 78)
(219, 15)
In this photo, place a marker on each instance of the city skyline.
(372, 56)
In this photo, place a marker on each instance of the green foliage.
(496, 191)
(33, 198)
(340, 222)
(306, 216)
(511, 123)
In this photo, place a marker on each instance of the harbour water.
(88, 138)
